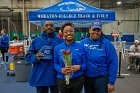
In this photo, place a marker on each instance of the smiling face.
(95, 33)
(68, 32)
(48, 27)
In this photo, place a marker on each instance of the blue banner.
(71, 10)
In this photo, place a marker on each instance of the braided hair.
(101, 40)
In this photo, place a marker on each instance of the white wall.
(130, 22)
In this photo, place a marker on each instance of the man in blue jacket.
(4, 44)
(102, 61)
(40, 54)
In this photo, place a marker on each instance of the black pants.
(45, 89)
(96, 84)
(4, 50)
(75, 86)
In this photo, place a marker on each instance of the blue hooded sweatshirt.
(78, 58)
(43, 73)
(101, 59)
(4, 41)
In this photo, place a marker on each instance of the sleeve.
(83, 59)
(83, 65)
(81, 42)
(60, 40)
(139, 48)
(57, 67)
(112, 60)
(31, 54)
(5, 39)
(131, 48)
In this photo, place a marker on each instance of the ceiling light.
(119, 3)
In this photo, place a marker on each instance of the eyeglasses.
(70, 31)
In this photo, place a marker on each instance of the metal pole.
(29, 29)
(29, 37)
(119, 72)
(23, 16)
(9, 28)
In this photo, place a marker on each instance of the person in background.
(40, 54)
(78, 63)
(4, 45)
(82, 36)
(87, 35)
(26, 37)
(36, 35)
(26, 41)
(16, 37)
(102, 61)
(134, 49)
(32, 36)
(60, 34)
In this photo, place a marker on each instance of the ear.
(90, 30)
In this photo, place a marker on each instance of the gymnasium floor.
(129, 84)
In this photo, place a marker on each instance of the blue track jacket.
(100, 61)
(4, 41)
(43, 73)
(78, 58)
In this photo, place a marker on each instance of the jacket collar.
(52, 35)
(69, 44)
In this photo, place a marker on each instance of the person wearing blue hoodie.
(102, 61)
(4, 44)
(75, 69)
(40, 54)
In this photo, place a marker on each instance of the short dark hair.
(67, 24)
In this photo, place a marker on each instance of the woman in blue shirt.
(102, 61)
(78, 63)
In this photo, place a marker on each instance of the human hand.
(110, 88)
(76, 67)
(39, 55)
(67, 70)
